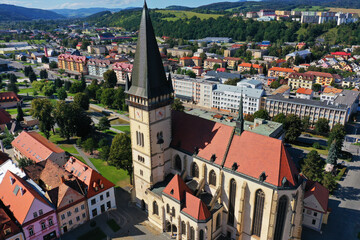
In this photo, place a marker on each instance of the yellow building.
(301, 80)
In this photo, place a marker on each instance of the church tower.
(150, 95)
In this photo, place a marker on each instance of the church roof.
(148, 75)
(196, 208)
(177, 188)
(320, 192)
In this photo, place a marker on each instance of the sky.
(74, 4)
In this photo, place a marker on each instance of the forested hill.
(14, 13)
(236, 28)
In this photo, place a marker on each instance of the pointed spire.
(127, 83)
(240, 119)
(170, 82)
(148, 75)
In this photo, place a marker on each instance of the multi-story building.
(266, 12)
(97, 67)
(326, 17)
(193, 176)
(343, 55)
(179, 52)
(30, 208)
(123, 71)
(100, 192)
(329, 94)
(33, 146)
(251, 15)
(10, 228)
(335, 113)
(210, 63)
(322, 78)
(98, 50)
(309, 17)
(301, 80)
(126, 48)
(280, 72)
(232, 62)
(247, 67)
(197, 61)
(186, 61)
(230, 52)
(304, 93)
(350, 82)
(344, 18)
(72, 63)
(9, 100)
(227, 98)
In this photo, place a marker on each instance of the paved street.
(344, 220)
(131, 219)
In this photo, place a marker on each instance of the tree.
(28, 70)
(104, 124)
(333, 154)
(61, 71)
(82, 100)
(306, 122)
(322, 126)
(43, 74)
(104, 153)
(119, 99)
(75, 87)
(262, 113)
(42, 109)
(58, 83)
(316, 87)
(280, 118)
(249, 117)
(110, 79)
(329, 182)
(313, 167)
(107, 96)
(20, 114)
(53, 65)
(337, 134)
(103, 142)
(32, 77)
(12, 87)
(232, 81)
(61, 93)
(275, 84)
(177, 105)
(89, 145)
(191, 74)
(49, 89)
(44, 59)
(24, 162)
(120, 153)
(67, 85)
(13, 78)
(293, 127)
(216, 66)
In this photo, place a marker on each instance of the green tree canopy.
(177, 105)
(293, 127)
(104, 124)
(333, 154)
(322, 126)
(61, 93)
(338, 134)
(313, 167)
(43, 110)
(110, 79)
(20, 114)
(329, 182)
(280, 118)
(89, 145)
(82, 100)
(262, 113)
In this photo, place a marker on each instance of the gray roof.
(307, 102)
(251, 92)
(148, 75)
(347, 97)
(222, 75)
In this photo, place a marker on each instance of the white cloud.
(93, 3)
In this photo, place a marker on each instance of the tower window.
(140, 139)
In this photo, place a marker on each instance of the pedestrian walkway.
(85, 157)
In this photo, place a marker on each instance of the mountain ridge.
(9, 12)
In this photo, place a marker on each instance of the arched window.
(194, 170)
(212, 178)
(280, 218)
(177, 164)
(201, 235)
(258, 212)
(167, 208)
(173, 211)
(232, 202)
(155, 208)
(183, 228)
(218, 221)
(192, 233)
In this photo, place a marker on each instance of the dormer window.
(172, 192)
(12, 180)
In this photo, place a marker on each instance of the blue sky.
(54, 4)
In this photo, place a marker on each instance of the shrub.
(316, 145)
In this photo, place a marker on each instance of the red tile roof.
(9, 97)
(252, 148)
(208, 136)
(185, 58)
(34, 146)
(303, 75)
(197, 58)
(7, 222)
(95, 182)
(5, 117)
(214, 60)
(196, 208)
(232, 58)
(319, 191)
(320, 74)
(248, 65)
(304, 91)
(176, 188)
(121, 66)
(279, 69)
(71, 58)
(341, 54)
(20, 203)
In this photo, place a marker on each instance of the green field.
(69, 148)
(28, 90)
(312, 8)
(186, 14)
(122, 128)
(12, 111)
(80, 158)
(117, 176)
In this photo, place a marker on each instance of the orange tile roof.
(5, 117)
(321, 74)
(95, 182)
(251, 148)
(52, 173)
(329, 89)
(176, 188)
(319, 191)
(249, 65)
(214, 60)
(20, 203)
(232, 58)
(196, 208)
(197, 58)
(304, 91)
(279, 69)
(185, 58)
(6, 96)
(34, 146)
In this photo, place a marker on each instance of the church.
(198, 179)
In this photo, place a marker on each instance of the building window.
(315, 214)
(218, 221)
(107, 194)
(35, 214)
(68, 213)
(232, 202)
(192, 233)
(167, 208)
(155, 208)
(70, 222)
(7, 231)
(183, 228)
(93, 201)
(201, 235)
(41, 212)
(83, 207)
(101, 197)
(84, 215)
(212, 178)
(313, 222)
(258, 212)
(195, 170)
(173, 211)
(62, 216)
(31, 231)
(78, 219)
(108, 205)
(141, 173)
(177, 163)
(76, 209)
(43, 226)
(140, 139)
(280, 218)
(94, 212)
(51, 222)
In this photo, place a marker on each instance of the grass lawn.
(320, 151)
(122, 128)
(95, 234)
(12, 111)
(29, 90)
(80, 158)
(113, 225)
(186, 14)
(117, 176)
(312, 8)
(110, 132)
(314, 135)
(69, 148)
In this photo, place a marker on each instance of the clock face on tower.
(138, 114)
(160, 113)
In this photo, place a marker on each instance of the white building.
(250, 83)
(9, 165)
(227, 98)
